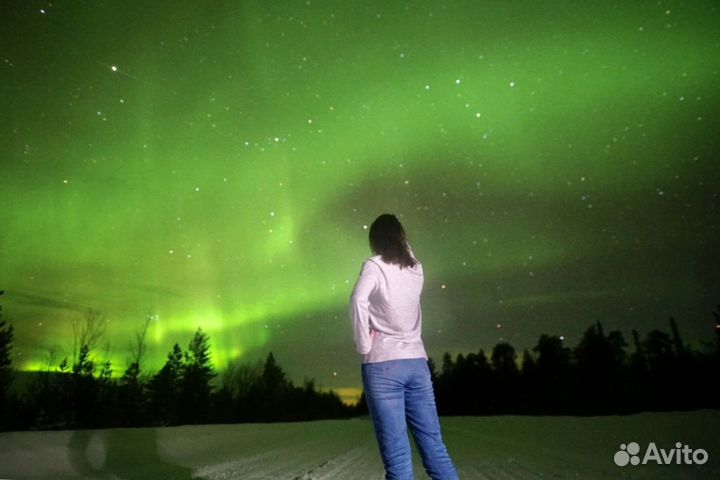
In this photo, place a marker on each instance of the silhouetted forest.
(602, 374)
(82, 393)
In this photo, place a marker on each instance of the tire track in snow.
(498, 472)
(291, 464)
(309, 462)
(342, 466)
(274, 463)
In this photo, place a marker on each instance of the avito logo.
(681, 454)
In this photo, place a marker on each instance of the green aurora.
(217, 164)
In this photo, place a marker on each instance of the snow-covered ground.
(498, 447)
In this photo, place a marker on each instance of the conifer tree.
(165, 389)
(6, 338)
(198, 371)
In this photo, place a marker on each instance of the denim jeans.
(399, 392)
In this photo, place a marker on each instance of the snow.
(495, 447)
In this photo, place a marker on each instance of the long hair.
(388, 239)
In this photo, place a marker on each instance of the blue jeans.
(399, 392)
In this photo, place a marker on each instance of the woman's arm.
(359, 303)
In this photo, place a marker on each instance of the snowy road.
(488, 448)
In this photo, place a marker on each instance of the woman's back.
(397, 299)
(392, 309)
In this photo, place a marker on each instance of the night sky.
(218, 164)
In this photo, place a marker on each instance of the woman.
(387, 320)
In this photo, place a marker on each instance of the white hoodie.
(386, 298)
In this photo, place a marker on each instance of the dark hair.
(387, 238)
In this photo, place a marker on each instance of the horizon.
(350, 395)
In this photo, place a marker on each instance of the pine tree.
(165, 389)
(131, 398)
(503, 360)
(529, 383)
(273, 376)
(505, 379)
(198, 371)
(528, 363)
(6, 338)
(107, 396)
(553, 373)
(274, 389)
(447, 364)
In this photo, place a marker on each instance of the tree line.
(81, 392)
(599, 376)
